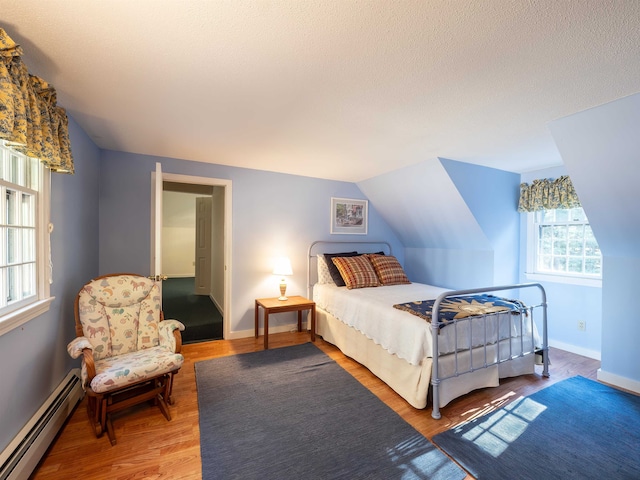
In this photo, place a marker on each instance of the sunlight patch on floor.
(499, 430)
(415, 458)
(494, 405)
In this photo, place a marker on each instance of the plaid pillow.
(333, 270)
(388, 270)
(357, 272)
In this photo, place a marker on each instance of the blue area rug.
(293, 413)
(574, 429)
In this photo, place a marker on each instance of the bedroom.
(89, 207)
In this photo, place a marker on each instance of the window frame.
(36, 305)
(531, 272)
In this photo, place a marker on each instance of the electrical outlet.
(582, 325)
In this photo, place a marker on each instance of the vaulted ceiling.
(338, 89)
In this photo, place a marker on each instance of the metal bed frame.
(526, 312)
(436, 379)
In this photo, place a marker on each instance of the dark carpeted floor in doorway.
(200, 316)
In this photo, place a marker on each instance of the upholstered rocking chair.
(129, 353)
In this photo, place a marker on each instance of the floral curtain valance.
(31, 122)
(547, 194)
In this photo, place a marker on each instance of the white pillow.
(323, 271)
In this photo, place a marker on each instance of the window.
(561, 243)
(24, 290)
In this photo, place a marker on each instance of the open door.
(204, 206)
(221, 264)
(156, 222)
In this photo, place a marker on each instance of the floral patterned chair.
(129, 352)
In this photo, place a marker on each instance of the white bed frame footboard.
(489, 357)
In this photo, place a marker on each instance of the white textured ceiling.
(339, 89)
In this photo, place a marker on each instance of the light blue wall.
(423, 206)
(601, 152)
(273, 214)
(34, 356)
(454, 269)
(492, 197)
(621, 326)
(457, 221)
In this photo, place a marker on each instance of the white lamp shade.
(282, 266)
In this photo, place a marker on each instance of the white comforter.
(410, 337)
(370, 311)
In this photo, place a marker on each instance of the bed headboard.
(335, 246)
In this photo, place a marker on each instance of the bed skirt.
(412, 382)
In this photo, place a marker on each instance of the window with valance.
(34, 141)
(560, 241)
(547, 194)
(31, 122)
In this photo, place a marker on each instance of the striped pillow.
(388, 270)
(357, 272)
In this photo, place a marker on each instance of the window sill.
(23, 315)
(566, 279)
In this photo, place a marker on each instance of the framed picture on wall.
(349, 216)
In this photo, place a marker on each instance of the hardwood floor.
(149, 447)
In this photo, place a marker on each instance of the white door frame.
(216, 182)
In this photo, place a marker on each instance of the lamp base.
(283, 290)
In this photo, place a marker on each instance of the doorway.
(191, 217)
(191, 232)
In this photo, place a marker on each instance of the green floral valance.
(547, 194)
(31, 122)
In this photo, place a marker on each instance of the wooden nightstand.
(292, 304)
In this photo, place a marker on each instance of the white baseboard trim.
(618, 381)
(215, 302)
(20, 458)
(567, 347)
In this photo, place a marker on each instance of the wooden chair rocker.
(129, 352)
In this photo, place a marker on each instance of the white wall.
(178, 234)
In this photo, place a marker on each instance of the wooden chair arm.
(178, 337)
(89, 364)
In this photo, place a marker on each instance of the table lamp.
(282, 268)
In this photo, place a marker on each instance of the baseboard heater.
(20, 458)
